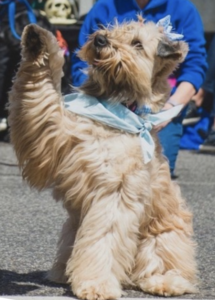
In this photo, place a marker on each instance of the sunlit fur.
(125, 72)
(127, 224)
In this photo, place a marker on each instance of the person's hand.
(164, 124)
(199, 97)
(184, 92)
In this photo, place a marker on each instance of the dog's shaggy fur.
(128, 223)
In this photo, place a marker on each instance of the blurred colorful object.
(10, 7)
(60, 12)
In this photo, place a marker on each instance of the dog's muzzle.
(100, 41)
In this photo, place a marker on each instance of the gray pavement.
(60, 298)
(30, 223)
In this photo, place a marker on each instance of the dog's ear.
(176, 51)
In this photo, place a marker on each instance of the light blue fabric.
(120, 117)
(167, 28)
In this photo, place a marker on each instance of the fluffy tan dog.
(127, 222)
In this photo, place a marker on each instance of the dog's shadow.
(13, 283)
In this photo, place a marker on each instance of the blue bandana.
(120, 117)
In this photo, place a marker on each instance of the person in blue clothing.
(185, 82)
(208, 87)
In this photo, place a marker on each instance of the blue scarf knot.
(120, 117)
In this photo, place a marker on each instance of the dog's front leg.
(37, 118)
(165, 263)
(105, 247)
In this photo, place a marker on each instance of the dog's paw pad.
(32, 40)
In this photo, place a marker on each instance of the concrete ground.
(30, 223)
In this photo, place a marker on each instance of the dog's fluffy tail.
(37, 117)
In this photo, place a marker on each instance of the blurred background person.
(208, 87)
(185, 82)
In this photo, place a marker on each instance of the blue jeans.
(169, 138)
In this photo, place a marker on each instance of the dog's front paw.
(96, 290)
(38, 43)
(167, 285)
(33, 41)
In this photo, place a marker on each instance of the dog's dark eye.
(137, 44)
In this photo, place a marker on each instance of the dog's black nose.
(100, 40)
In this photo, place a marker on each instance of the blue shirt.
(185, 20)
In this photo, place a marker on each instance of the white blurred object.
(60, 11)
(3, 124)
(75, 10)
(85, 6)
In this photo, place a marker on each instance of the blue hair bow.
(167, 26)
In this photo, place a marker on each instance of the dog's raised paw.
(33, 41)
